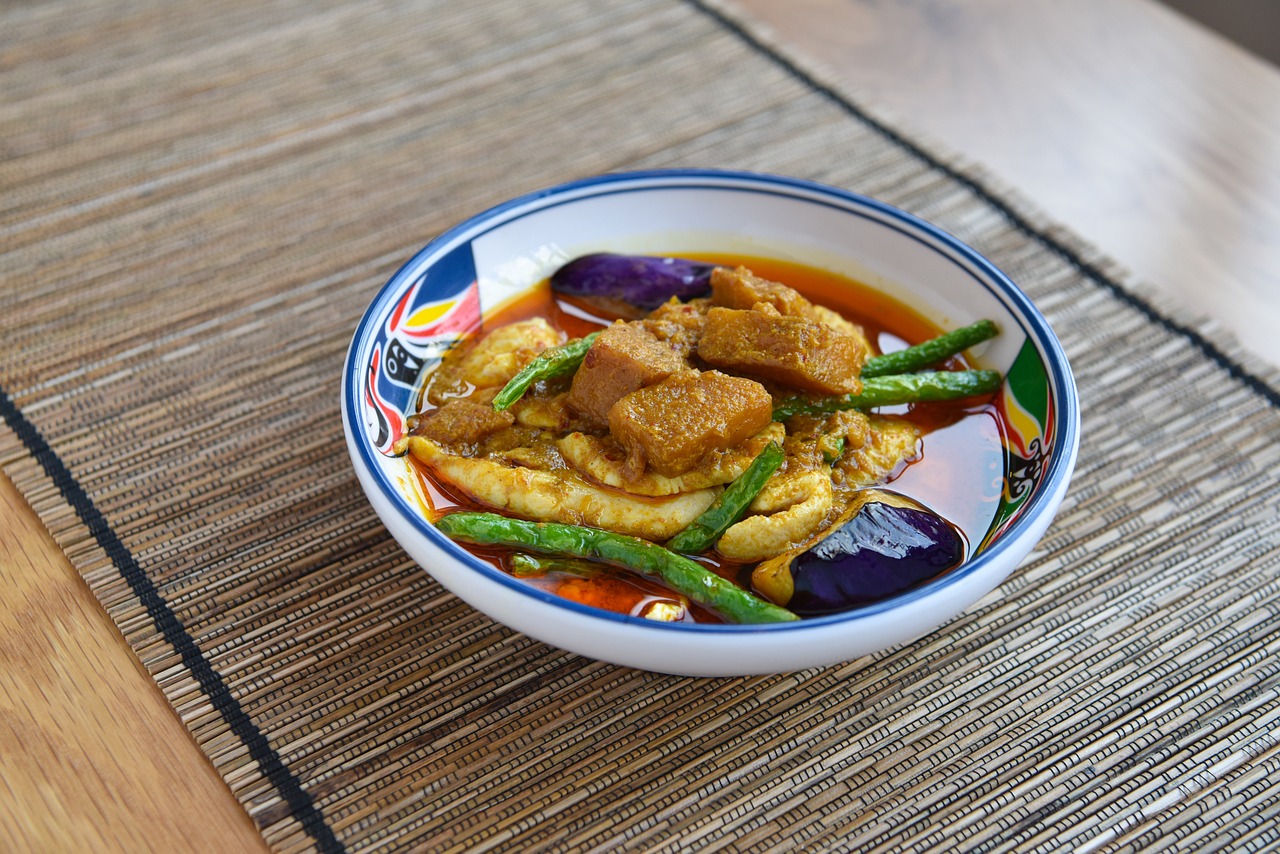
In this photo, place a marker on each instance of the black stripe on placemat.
(1091, 271)
(300, 804)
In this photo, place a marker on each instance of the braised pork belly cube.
(678, 324)
(670, 426)
(691, 315)
(461, 422)
(742, 289)
(625, 357)
(796, 352)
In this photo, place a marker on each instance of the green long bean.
(702, 533)
(923, 387)
(676, 571)
(526, 565)
(929, 352)
(550, 363)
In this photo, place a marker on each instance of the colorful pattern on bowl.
(1027, 418)
(427, 315)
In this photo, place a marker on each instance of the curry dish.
(652, 425)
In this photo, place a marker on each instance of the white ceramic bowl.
(479, 264)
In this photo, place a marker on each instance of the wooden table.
(1145, 133)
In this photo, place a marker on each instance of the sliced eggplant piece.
(885, 545)
(639, 282)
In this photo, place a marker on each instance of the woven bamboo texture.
(199, 200)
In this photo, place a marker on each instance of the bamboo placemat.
(199, 199)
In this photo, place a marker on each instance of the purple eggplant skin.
(642, 281)
(884, 550)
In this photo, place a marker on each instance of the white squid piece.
(891, 443)
(502, 353)
(790, 508)
(591, 456)
(562, 496)
(793, 506)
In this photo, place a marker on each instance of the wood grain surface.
(93, 757)
(1142, 131)
(1153, 138)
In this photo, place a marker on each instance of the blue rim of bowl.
(1067, 414)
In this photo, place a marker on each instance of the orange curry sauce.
(966, 436)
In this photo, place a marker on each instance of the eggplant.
(884, 545)
(632, 284)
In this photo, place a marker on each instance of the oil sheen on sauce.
(959, 474)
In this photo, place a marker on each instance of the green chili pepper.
(676, 571)
(702, 533)
(930, 352)
(924, 387)
(550, 363)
